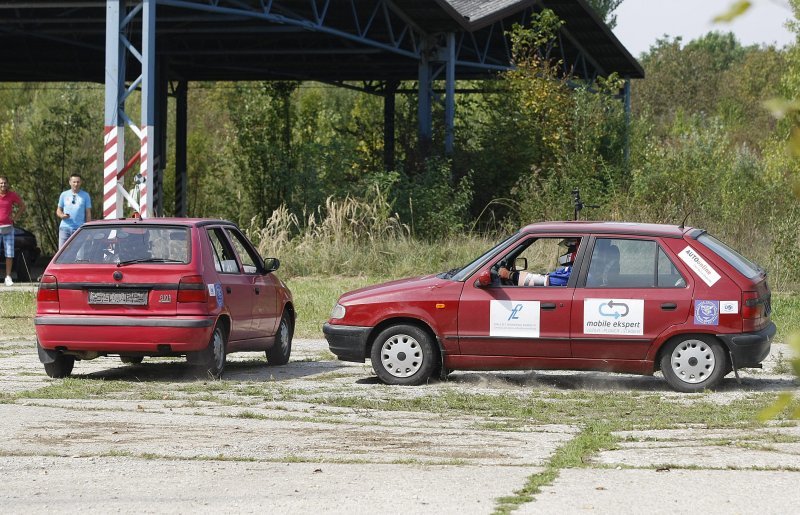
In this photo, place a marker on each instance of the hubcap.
(401, 355)
(693, 361)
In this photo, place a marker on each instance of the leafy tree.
(605, 9)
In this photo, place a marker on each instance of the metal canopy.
(144, 45)
(329, 40)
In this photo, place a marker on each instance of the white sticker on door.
(728, 306)
(613, 316)
(699, 265)
(514, 318)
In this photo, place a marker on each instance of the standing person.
(8, 199)
(74, 209)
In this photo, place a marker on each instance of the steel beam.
(181, 176)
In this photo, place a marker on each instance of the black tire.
(211, 360)
(403, 355)
(693, 363)
(60, 367)
(131, 360)
(280, 351)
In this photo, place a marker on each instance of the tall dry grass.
(353, 237)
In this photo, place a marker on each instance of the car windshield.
(128, 244)
(745, 267)
(464, 272)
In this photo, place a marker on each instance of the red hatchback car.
(624, 297)
(161, 287)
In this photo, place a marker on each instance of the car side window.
(619, 263)
(668, 274)
(244, 250)
(224, 257)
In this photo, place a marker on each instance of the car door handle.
(548, 305)
(258, 291)
(669, 306)
(228, 289)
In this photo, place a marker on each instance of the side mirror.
(271, 264)
(484, 279)
(521, 263)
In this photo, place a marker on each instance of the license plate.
(119, 297)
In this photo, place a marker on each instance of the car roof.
(630, 228)
(197, 222)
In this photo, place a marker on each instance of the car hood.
(392, 288)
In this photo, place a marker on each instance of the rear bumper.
(349, 343)
(113, 334)
(749, 349)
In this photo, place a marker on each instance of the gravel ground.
(161, 446)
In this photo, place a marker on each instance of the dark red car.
(161, 287)
(624, 297)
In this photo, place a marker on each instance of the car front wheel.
(403, 355)
(693, 363)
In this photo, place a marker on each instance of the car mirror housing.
(271, 264)
(484, 279)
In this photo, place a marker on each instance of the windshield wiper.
(148, 260)
(449, 273)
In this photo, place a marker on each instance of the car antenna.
(579, 205)
(683, 222)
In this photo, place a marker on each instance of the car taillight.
(192, 289)
(754, 311)
(752, 306)
(48, 289)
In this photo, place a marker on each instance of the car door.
(264, 293)
(236, 286)
(629, 294)
(525, 321)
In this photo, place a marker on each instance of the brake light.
(48, 289)
(752, 306)
(192, 289)
(754, 311)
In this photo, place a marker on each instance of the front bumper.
(115, 334)
(749, 349)
(348, 342)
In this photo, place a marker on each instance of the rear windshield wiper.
(148, 260)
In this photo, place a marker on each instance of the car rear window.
(743, 265)
(146, 244)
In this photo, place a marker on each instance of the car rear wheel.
(131, 360)
(211, 360)
(60, 367)
(403, 355)
(693, 363)
(279, 353)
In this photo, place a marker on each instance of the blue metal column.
(450, 94)
(425, 95)
(181, 176)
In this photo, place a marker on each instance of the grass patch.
(786, 314)
(594, 437)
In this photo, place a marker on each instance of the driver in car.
(558, 277)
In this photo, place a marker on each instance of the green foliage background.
(286, 159)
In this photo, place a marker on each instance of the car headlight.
(337, 311)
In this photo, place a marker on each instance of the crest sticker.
(706, 312)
